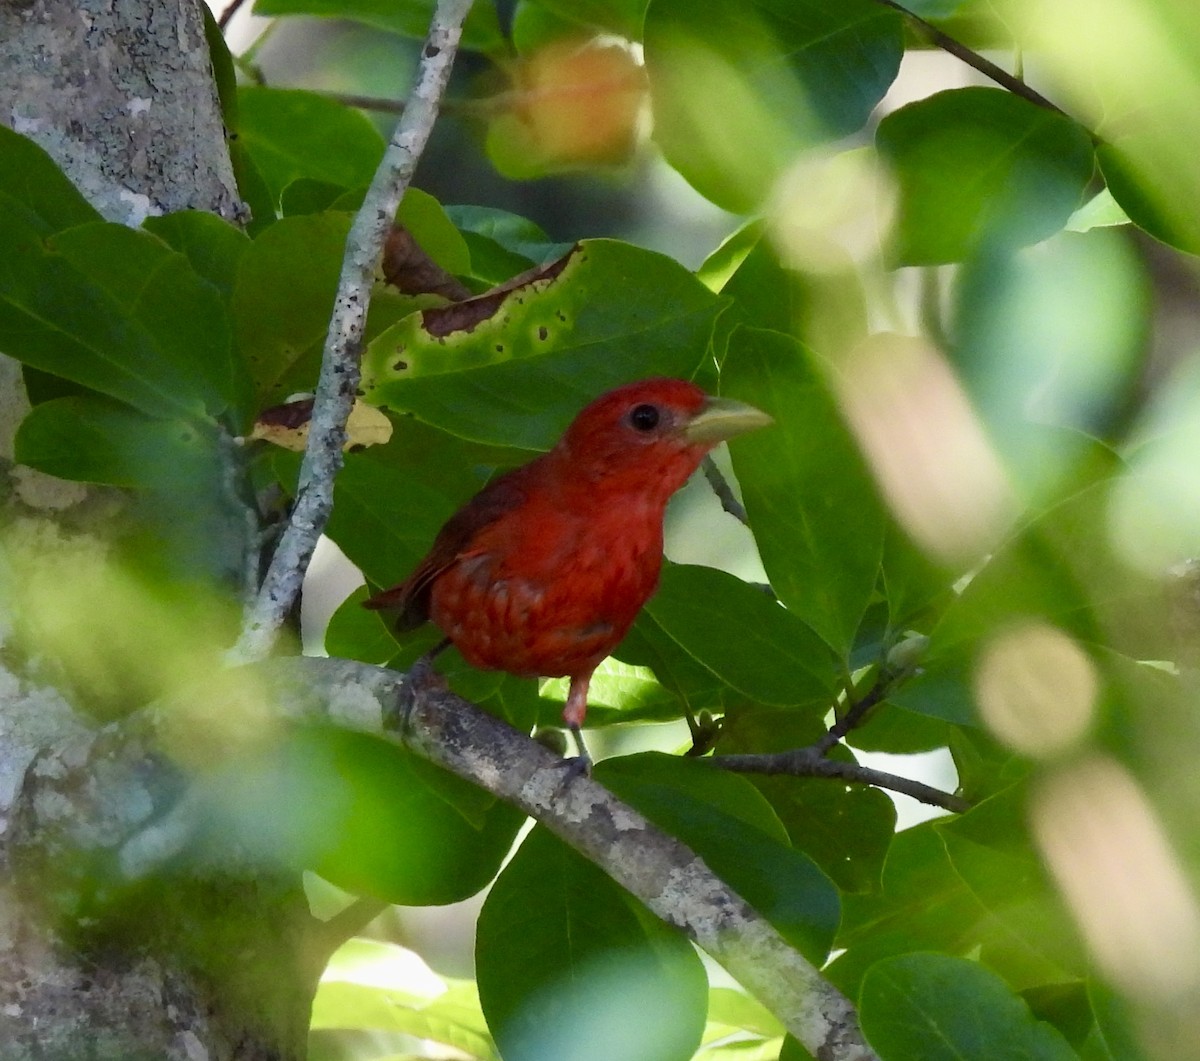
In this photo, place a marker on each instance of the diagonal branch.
(656, 868)
(974, 60)
(339, 377)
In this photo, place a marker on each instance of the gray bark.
(193, 963)
(120, 94)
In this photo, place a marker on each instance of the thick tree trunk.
(205, 962)
(121, 95)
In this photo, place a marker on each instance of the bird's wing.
(410, 598)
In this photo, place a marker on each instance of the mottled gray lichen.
(121, 95)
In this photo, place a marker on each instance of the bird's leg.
(573, 714)
(421, 676)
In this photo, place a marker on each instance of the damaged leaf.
(286, 426)
(510, 367)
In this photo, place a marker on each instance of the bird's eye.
(644, 417)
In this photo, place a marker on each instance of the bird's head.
(654, 432)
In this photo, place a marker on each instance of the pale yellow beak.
(722, 418)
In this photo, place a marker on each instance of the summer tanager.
(544, 570)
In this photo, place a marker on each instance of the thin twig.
(974, 60)
(857, 712)
(808, 762)
(813, 760)
(720, 487)
(340, 370)
(382, 104)
(228, 13)
(347, 923)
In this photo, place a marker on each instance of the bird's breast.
(552, 598)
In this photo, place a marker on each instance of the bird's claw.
(576, 766)
(421, 678)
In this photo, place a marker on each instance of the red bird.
(545, 569)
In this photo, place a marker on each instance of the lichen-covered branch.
(664, 874)
(339, 377)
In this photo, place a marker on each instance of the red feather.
(545, 569)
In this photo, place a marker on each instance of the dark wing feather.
(410, 598)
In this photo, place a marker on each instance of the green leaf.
(726, 821)
(390, 501)
(846, 830)
(691, 683)
(514, 368)
(1032, 941)
(224, 73)
(1066, 1007)
(87, 438)
(213, 246)
(408, 18)
(366, 815)
(737, 1010)
(305, 195)
(453, 1019)
(1115, 1037)
(746, 639)
(890, 728)
(923, 905)
(117, 311)
(524, 241)
(1132, 169)
(533, 26)
(290, 133)
(940, 1008)
(934, 9)
(568, 965)
(911, 581)
(355, 633)
(811, 501)
(283, 298)
(1052, 334)
(1100, 211)
(252, 189)
(434, 230)
(765, 294)
(1060, 570)
(619, 693)
(981, 167)
(622, 17)
(738, 90)
(30, 177)
(721, 265)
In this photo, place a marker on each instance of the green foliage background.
(148, 352)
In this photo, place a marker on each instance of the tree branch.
(813, 761)
(228, 13)
(808, 762)
(720, 486)
(653, 866)
(340, 370)
(974, 60)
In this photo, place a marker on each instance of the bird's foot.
(421, 678)
(578, 765)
